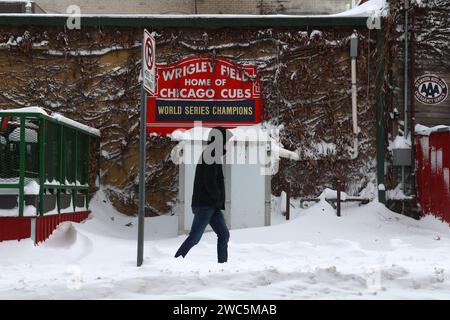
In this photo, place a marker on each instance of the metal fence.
(44, 160)
(11, 136)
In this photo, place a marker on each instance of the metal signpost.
(148, 85)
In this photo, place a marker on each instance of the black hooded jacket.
(209, 185)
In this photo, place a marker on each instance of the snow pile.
(397, 194)
(367, 253)
(64, 236)
(329, 194)
(109, 221)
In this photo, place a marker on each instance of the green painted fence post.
(86, 178)
(60, 171)
(21, 165)
(98, 162)
(75, 172)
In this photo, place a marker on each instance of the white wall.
(245, 186)
(247, 196)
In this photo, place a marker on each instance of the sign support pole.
(142, 161)
(147, 85)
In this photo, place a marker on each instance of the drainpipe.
(405, 114)
(412, 118)
(353, 55)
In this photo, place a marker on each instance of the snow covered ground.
(368, 253)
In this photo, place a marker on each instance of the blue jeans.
(202, 217)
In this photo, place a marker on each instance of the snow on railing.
(58, 117)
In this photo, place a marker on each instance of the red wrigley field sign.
(202, 88)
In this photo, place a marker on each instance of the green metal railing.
(54, 154)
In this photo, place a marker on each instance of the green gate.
(47, 156)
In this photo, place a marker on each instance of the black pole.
(412, 112)
(380, 102)
(288, 202)
(338, 200)
(142, 158)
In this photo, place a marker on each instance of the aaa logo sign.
(430, 89)
(212, 90)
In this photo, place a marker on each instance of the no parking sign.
(148, 65)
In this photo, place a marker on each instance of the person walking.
(208, 198)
